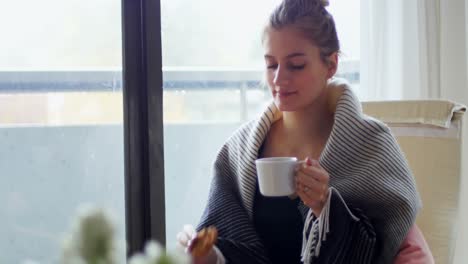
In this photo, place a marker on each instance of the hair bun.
(325, 3)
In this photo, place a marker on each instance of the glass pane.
(212, 84)
(61, 133)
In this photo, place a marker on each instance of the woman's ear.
(332, 63)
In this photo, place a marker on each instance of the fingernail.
(308, 161)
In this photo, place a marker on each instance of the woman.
(356, 198)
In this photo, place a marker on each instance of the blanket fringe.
(323, 229)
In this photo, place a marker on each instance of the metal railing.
(174, 79)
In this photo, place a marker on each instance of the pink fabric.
(414, 249)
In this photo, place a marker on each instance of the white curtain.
(399, 49)
(417, 49)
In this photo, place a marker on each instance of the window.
(60, 122)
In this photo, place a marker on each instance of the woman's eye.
(297, 67)
(291, 67)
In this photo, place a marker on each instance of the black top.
(279, 224)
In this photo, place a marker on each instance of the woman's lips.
(282, 94)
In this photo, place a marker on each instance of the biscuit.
(203, 242)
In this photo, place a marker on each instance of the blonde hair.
(312, 19)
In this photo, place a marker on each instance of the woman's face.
(296, 75)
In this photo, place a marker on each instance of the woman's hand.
(312, 185)
(185, 239)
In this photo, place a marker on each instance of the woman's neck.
(309, 124)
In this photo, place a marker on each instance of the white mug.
(276, 175)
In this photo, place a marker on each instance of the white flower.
(154, 254)
(138, 259)
(91, 240)
(153, 250)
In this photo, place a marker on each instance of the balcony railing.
(174, 79)
(193, 95)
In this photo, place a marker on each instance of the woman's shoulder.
(348, 109)
(257, 128)
(243, 132)
(359, 121)
(375, 124)
(237, 143)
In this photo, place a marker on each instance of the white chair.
(430, 134)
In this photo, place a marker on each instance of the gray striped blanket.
(369, 175)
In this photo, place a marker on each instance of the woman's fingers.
(309, 192)
(187, 234)
(310, 200)
(312, 175)
(190, 230)
(311, 182)
(312, 185)
(183, 239)
(317, 173)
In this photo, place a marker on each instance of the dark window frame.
(143, 123)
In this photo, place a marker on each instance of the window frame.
(143, 123)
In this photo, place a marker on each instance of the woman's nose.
(281, 77)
